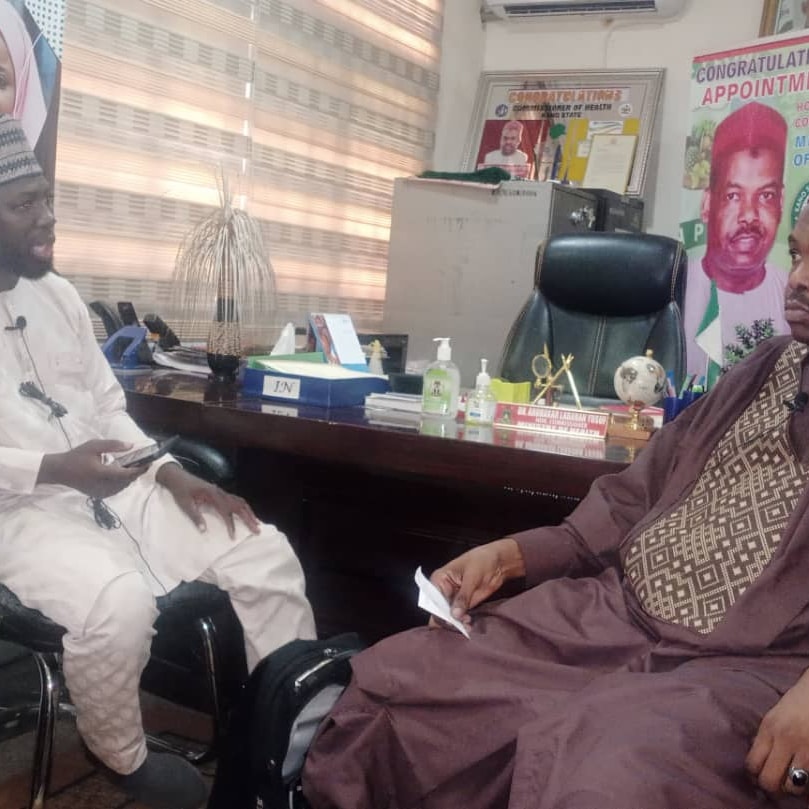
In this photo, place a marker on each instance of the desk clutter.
(336, 368)
(640, 383)
(333, 370)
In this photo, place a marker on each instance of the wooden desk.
(366, 503)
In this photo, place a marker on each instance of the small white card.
(433, 600)
(336, 338)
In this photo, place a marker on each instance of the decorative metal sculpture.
(546, 382)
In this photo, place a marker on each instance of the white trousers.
(101, 586)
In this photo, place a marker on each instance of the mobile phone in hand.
(143, 456)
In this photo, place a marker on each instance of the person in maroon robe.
(657, 657)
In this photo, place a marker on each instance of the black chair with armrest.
(602, 297)
(192, 610)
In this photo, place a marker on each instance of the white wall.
(462, 48)
(581, 42)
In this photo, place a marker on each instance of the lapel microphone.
(19, 324)
(798, 403)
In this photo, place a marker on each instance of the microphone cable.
(104, 516)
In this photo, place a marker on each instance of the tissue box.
(308, 383)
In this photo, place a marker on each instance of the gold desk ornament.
(547, 378)
(639, 382)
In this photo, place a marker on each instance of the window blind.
(310, 107)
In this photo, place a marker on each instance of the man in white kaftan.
(100, 583)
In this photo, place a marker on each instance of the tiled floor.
(74, 782)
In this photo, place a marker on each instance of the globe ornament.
(639, 382)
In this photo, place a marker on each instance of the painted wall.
(581, 42)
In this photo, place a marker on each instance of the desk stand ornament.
(639, 382)
(224, 287)
(547, 379)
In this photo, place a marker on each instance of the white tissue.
(434, 601)
(286, 342)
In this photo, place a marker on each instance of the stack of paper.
(189, 361)
(401, 402)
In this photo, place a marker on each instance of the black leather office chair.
(603, 297)
(193, 609)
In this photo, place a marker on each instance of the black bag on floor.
(275, 718)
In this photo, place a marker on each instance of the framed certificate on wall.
(540, 125)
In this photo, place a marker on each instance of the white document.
(433, 600)
(610, 163)
(317, 370)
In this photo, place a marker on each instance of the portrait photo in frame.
(539, 125)
(781, 16)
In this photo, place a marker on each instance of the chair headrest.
(611, 274)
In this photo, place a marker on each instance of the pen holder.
(673, 405)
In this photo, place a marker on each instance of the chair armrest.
(26, 626)
(203, 461)
(193, 600)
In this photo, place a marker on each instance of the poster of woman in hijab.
(29, 80)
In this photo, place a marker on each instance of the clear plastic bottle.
(481, 402)
(442, 383)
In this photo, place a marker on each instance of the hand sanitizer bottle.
(442, 383)
(481, 401)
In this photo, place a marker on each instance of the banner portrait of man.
(743, 174)
(741, 209)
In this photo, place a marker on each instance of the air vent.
(499, 10)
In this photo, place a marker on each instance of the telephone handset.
(109, 317)
(128, 314)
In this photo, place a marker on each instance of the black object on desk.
(406, 383)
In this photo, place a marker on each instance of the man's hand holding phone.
(143, 456)
(83, 468)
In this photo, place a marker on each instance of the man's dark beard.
(23, 265)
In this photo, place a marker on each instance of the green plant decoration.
(748, 339)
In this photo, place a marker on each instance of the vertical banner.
(745, 180)
(30, 72)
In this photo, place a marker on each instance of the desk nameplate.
(556, 420)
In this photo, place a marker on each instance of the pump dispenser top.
(444, 348)
(483, 380)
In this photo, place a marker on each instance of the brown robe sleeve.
(589, 539)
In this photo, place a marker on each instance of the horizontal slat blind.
(312, 107)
